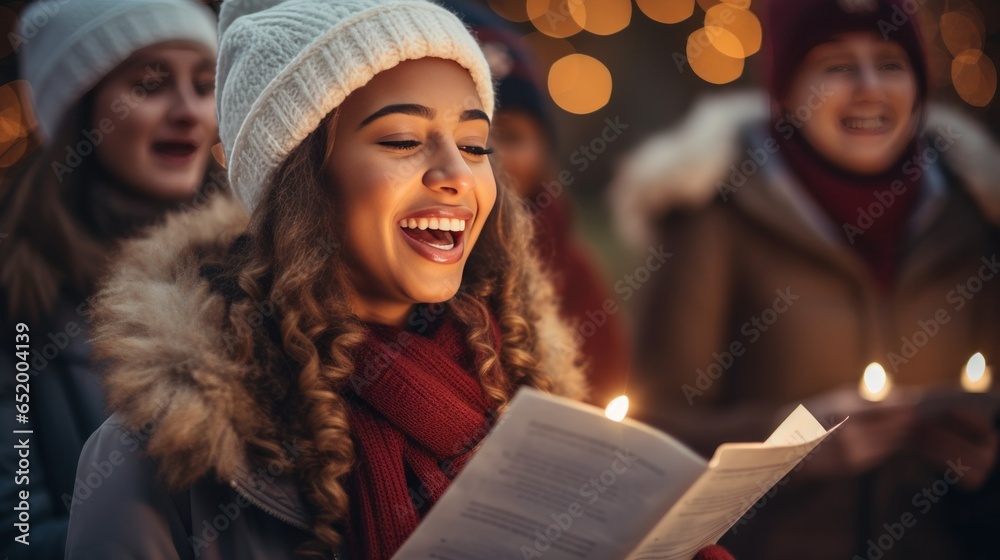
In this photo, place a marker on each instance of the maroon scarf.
(417, 414)
(847, 197)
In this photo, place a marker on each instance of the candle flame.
(976, 377)
(976, 367)
(875, 383)
(617, 408)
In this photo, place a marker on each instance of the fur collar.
(680, 168)
(157, 324)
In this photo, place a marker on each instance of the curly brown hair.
(311, 335)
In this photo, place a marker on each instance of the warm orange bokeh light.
(708, 62)
(12, 124)
(12, 153)
(960, 33)
(741, 24)
(724, 41)
(580, 84)
(708, 4)
(975, 77)
(602, 17)
(666, 12)
(555, 18)
(513, 10)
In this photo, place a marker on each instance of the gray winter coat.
(183, 406)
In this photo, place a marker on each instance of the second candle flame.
(617, 409)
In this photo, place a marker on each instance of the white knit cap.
(284, 65)
(67, 46)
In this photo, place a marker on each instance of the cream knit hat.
(67, 46)
(284, 65)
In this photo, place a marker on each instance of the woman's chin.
(442, 291)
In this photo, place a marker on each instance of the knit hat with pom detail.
(284, 65)
(71, 45)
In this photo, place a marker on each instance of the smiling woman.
(162, 103)
(846, 187)
(403, 151)
(359, 377)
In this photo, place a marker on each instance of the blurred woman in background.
(525, 138)
(857, 224)
(124, 95)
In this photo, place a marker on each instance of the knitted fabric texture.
(283, 66)
(66, 47)
(418, 413)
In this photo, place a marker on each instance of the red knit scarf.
(847, 197)
(417, 414)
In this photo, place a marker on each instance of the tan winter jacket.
(763, 304)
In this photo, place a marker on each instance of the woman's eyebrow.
(406, 109)
(473, 115)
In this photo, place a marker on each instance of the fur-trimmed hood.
(158, 327)
(681, 168)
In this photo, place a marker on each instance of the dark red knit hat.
(793, 27)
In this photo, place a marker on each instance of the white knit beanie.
(67, 46)
(284, 65)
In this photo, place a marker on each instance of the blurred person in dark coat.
(124, 95)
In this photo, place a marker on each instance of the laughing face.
(157, 110)
(409, 167)
(868, 116)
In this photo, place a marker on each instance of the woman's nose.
(448, 171)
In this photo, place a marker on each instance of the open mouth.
(866, 125)
(175, 150)
(437, 239)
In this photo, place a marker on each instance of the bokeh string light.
(555, 18)
(675, 11)
(16, 122)
(580, 84)
(974, 77)
(602, 17)
(954, 30)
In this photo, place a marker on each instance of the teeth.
(447, 247)
(443, 224)
(865, 124)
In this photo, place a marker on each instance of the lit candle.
(976, 377)
(617, 408)
(875, 383)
